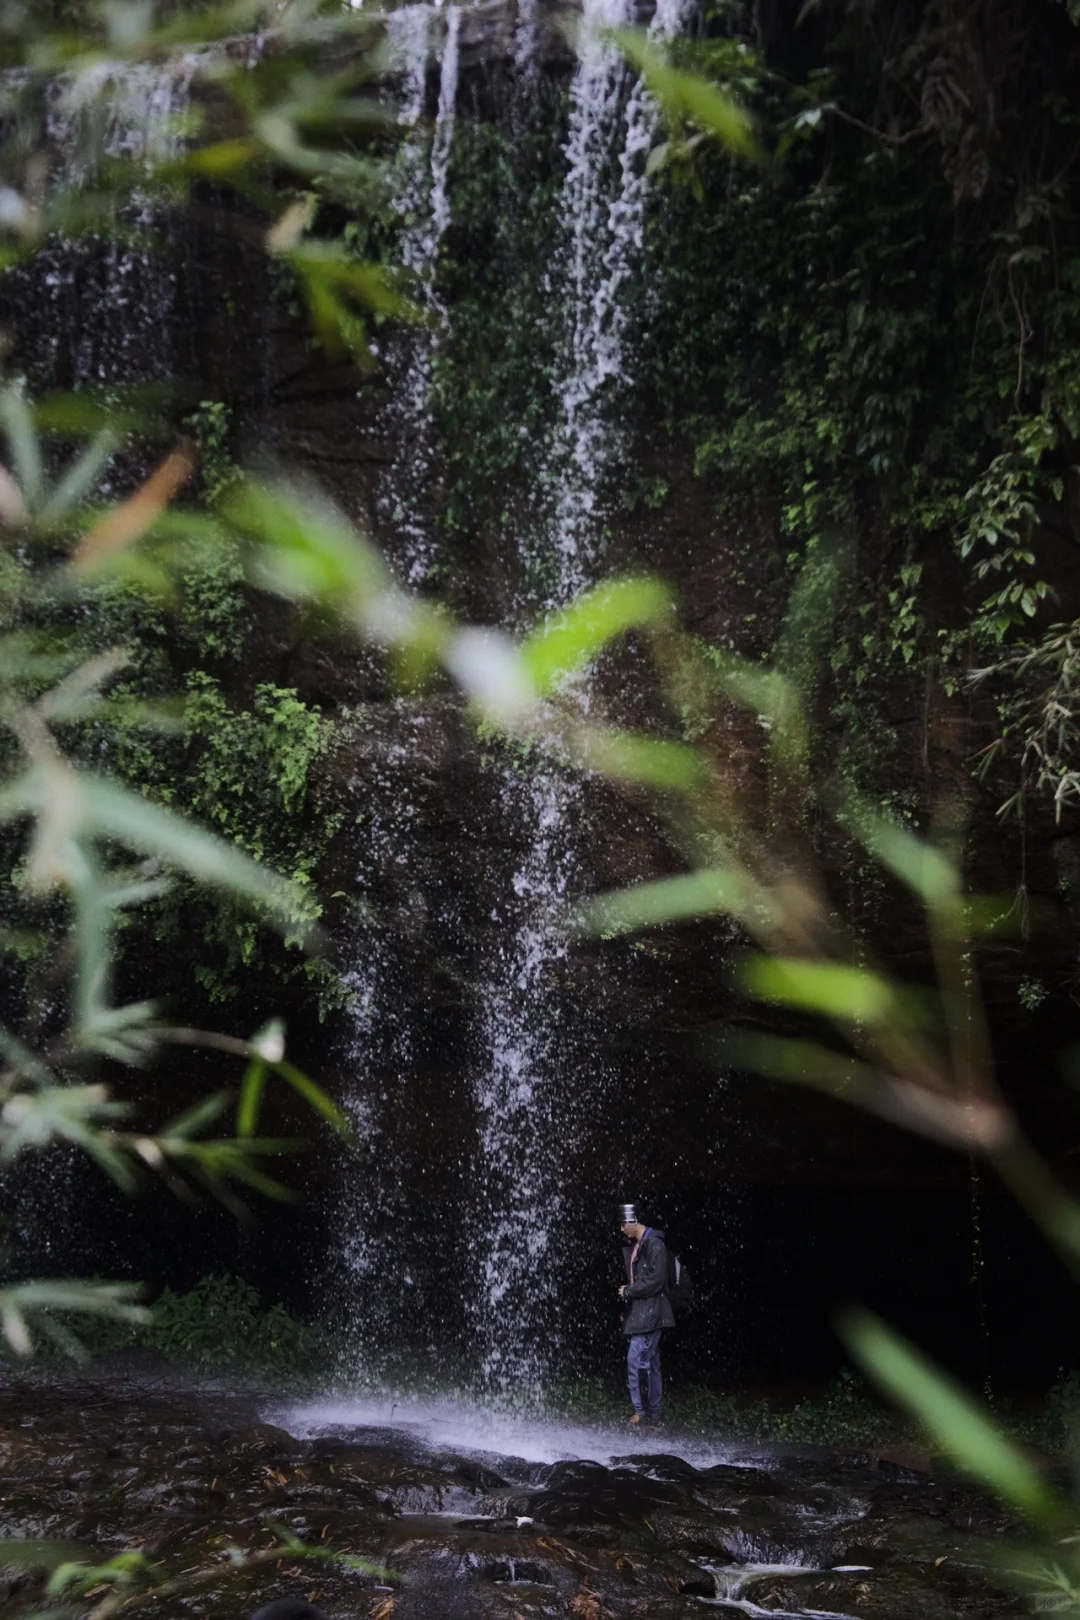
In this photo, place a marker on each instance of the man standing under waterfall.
(649, 1312)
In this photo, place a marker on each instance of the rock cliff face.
(439, 852)
(508, 1081)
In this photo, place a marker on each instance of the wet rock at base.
(184, 1474)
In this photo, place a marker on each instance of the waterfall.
(73, 336)
(534, 1075)
(381, 1046)
(421, 201)
(532, 1078)
(606, 240)
(523, 1088)
(525, 34)
(92, 312)
(378, 1233)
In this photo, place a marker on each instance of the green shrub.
(222, 1325)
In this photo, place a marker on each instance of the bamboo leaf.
(316, 1096)
(794, 1059)
(919, 864)
(82, 475)
(310, 549)
(195, 1119)
(251, 1096)
(767, 692)
(830, 989)
(116, 1299)
(68, 694)
(686, 96)
(569, 641)
(153, 830)
(950, 1415)
(125, 524)
(673, 899)
(33, 1554)
(17, 420)
(654, 762)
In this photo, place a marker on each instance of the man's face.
(628, 1230)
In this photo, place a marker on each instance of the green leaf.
(830, 989)
(66, 697)
(115, 813)
(919, 864)
(115, 1299)
(81, 476)
(796, 1060)
(765, 691)
(315, 1095)
(687, 96)
(308, 551)
(673, 899)
(141, 409)
(195, 1119)
(17, 420)
(629, 756)
(251, 1096)
(957, 1424)
(33, 1554)
(569, 641)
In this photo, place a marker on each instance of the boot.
(638, 1417)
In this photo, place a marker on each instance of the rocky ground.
(184, 1474)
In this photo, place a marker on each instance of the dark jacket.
(649, 1305)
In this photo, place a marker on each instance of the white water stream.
(421, 200)
(733, 1579)
(531, 1083)
(604, 197)
(134, 114)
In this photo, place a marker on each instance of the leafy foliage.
(222, 1325)
(853, 358)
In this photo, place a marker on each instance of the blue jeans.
(643, 1358)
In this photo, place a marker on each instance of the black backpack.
(680, 1286)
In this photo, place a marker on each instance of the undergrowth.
(221, 1325)
(847, 1414)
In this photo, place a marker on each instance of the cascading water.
(91, 313)
(104, 307)
(606, 240)
(422, 203)
(378, 1232)
(534, 1075)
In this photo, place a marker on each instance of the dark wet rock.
(470, 1536)
(701, 1585)
(660, 1466)
(143, 1365)
(289, 1608)
(885, 1595)
(902, 1473)
(475, 1473)
(260, 1437)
